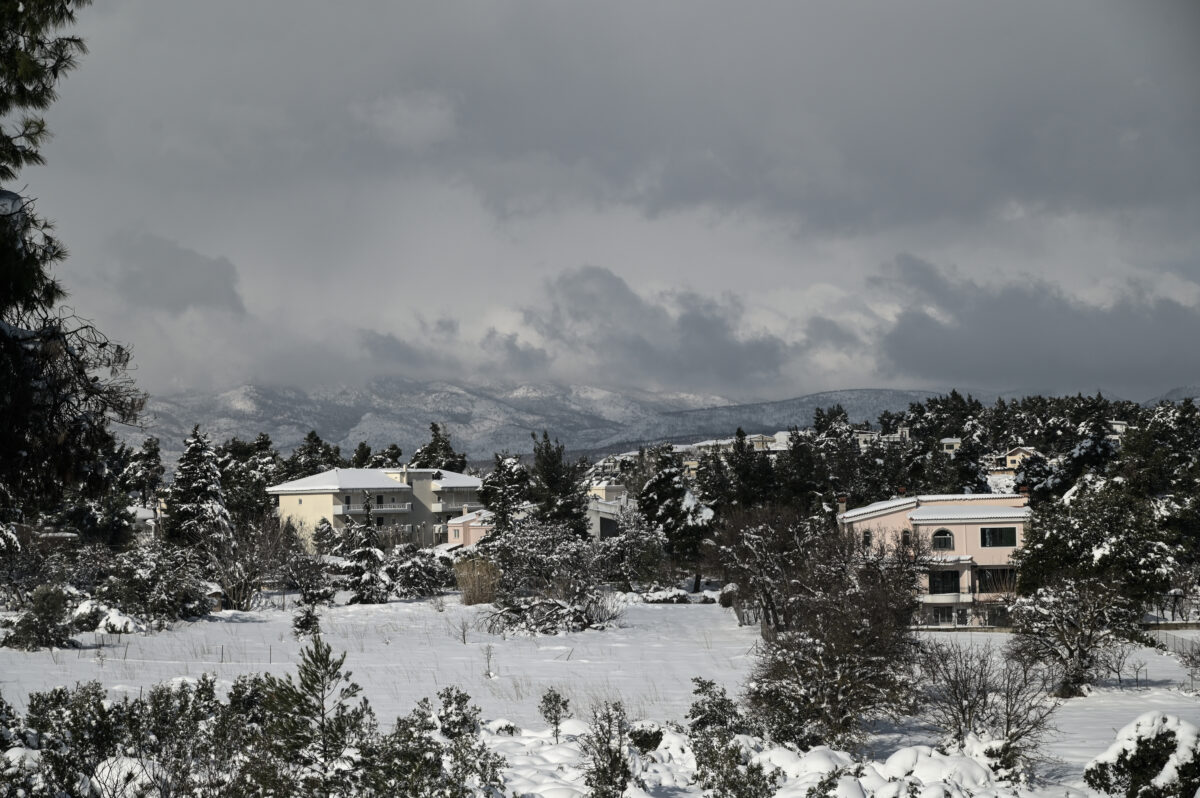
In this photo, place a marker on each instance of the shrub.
(419, 572)
(478, 579)
(555, 708)
(605, 746)
(46, 624)
(1156, 756)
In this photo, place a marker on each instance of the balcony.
(947, 598)
(459, 508)
(376, 509)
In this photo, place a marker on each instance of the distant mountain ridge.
(483, 419)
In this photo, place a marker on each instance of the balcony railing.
(947, 598)
(348, 509)
(455, 507)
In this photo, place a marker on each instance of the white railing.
(947, 598)
(346, 509)
(455, 507)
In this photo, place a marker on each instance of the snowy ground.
(403, 651)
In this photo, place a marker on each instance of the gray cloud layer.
(419, 187)
(955, 331)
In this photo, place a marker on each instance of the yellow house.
(408, 504)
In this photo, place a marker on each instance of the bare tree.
(1003, 702)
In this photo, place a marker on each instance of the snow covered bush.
(718, 730)
(606, 747)
(838, 651)
(46, 624)
(1155, 756)
(418, 572)
(1069, 624)
(157, 583)
(548, 580)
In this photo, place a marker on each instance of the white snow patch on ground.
(406, 650)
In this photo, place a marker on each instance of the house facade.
(409, 505)
(971, 538)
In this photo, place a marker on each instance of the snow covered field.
(403, 651)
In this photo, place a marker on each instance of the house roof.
(452, 479)
(892, 505)
(340, 479)
(959, 514)
(481, 516)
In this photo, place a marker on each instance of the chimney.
(841, 500)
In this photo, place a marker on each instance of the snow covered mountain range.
(483, 419)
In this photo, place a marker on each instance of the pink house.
(469, 529)
(972, 538)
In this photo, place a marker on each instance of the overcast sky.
(756, 200)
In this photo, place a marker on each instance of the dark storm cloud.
(507, 355)
(387, 352)
(820, 331)
(450, 161)
(156, 274)
(958, 332)
(683, 339)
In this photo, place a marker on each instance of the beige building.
(411, 505)
(972, 538)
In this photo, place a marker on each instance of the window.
(906, 537)
(866, 538)
(456, 534)
(347, 500)
(995, 580)
(943, 581)
(997, 616)
(998, 536)
(378, 522)
(379, 499)
(299, 501)
(943, 615)
(942, 540)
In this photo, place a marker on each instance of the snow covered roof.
(467, 518)
(892, 505)
(877, 508)
(950, 440)
(339, 479)
(957, 514)
(452, 479)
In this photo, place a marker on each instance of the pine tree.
(62, 382)
(144, 473)
(247, 469)
(391, 457)
(316, 730)
(557, 487)
(368, 573)
(438, 453)
(312, 456)
(668, 505)
(505, 490)
(196, 510)
(362, 455)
